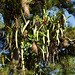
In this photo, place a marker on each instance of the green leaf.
(8, 38)
(42, 33)
(16, 38)
(25, 26)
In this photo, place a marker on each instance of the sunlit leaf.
(16, 38)
(25, 26)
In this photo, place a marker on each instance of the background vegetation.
(35, 39)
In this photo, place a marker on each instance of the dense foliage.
(35, 38)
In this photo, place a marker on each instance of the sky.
(1, 18)
(70, 19)
(73, 0)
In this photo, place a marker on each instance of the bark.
(25, 6)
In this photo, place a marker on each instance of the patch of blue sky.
(1, 45)
(70, 20)
(1, 20)
(6, 51)
(0, 65)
